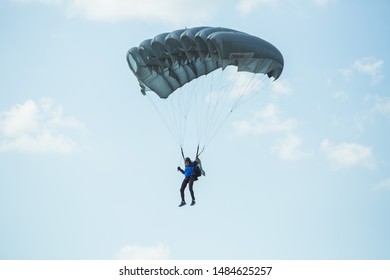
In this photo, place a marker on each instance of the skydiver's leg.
(191, 185)
(183, 187)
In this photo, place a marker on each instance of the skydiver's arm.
(179, 169)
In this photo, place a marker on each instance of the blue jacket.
(189, 170)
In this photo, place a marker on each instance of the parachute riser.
(198, 153)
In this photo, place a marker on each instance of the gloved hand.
(178, 168)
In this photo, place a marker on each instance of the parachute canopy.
(170, 60)
(200, 76)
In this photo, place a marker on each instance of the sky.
(88, 169)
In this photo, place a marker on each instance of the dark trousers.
(190, 182)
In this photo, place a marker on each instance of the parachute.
(200, 75)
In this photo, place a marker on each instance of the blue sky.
(88, 169)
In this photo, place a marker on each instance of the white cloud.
(243, 84)
(379, 107)
(36, 127)
(270, 121)
(20, 119)
(172, 11)
(265, 121)
(136, 252)
(291, 148)
(178, 12)
(247, 6)
(44, 142)
(370, 66)
(55, 116)
(382, 106)
(383, 185)
(348, 154)
(281, 87)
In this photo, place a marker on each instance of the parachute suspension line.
(208, 79)
(239, 90)
(212, 112)
(176, 111)
(216, 101)
(185, 97)
(182, 113)
(200, 97)
(178, 106)
(206, 105)
(172, 111)
(201, 108)
(205, 110)
(253, 87)
(180, 117)
(182, 153)
(243, 94)
(201, 151)
(171, 119)
(257, 88)
(163, 119)
(202, 111)
(230, 89)
(198, 93)
(215, 132)
(213, 97)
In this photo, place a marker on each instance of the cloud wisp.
(170, 11)
(291, 148)
(370, 66)
(281, 88)
(245, 7)
(269, 120)
(346, 154)
(37, 127)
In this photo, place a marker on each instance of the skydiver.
(190, 177)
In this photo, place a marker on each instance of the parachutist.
(191, 173)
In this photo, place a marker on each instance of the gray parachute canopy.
(170, 60)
